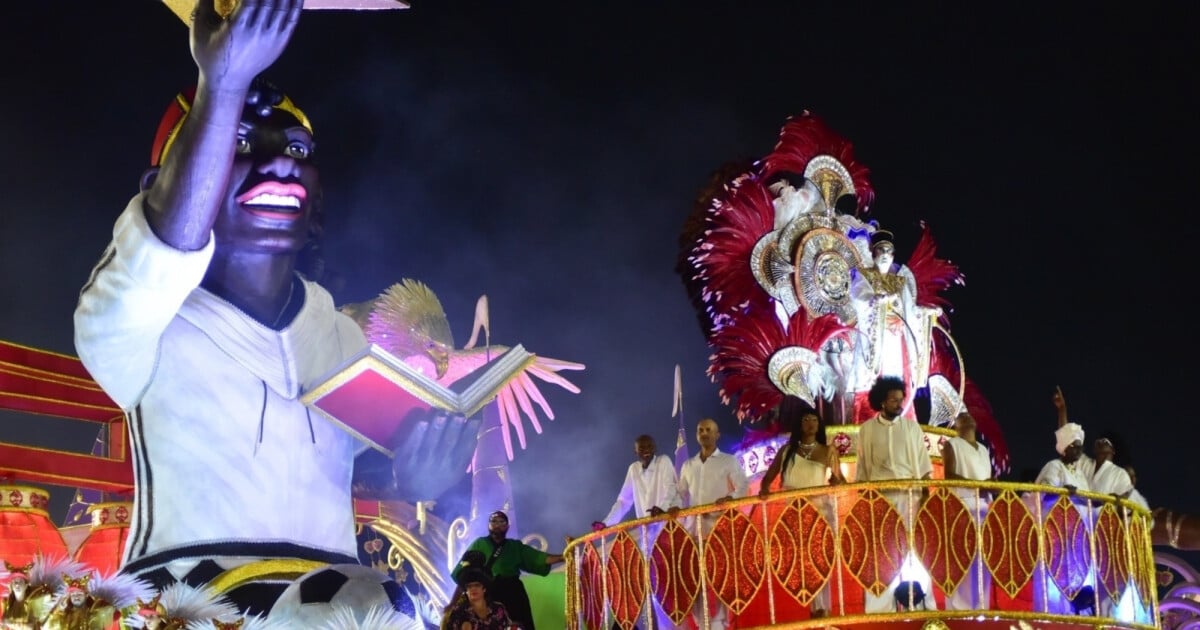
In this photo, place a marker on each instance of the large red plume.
(742, 349)
(694, 227)
(944, 360)
(736, 220)
(806, 136)
(933, 274)
(987, 427)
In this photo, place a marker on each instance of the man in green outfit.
(505, 560)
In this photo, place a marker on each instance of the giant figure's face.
(273, 186)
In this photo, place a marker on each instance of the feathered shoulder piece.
(120, 590)
(808, 147)
(932, 274)
(756, 362)
(987, 426)
(183, 606)
(47, 572)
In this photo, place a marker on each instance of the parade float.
(799, 296)
(414, 544)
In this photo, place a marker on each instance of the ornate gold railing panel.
(1042, 553)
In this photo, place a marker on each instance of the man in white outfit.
(710, 477)
(963, 457)
(1100, 469)
(650, 488)
(891, 447)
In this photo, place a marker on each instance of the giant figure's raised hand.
(230, 51)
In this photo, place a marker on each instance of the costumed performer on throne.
(894, 330)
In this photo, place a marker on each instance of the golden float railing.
(765, 560)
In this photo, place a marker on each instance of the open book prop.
(374, 393)
(408, 321)
(183, 8)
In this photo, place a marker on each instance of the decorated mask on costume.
(883, 249)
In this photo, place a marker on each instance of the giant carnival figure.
(198, 324)
(799, 295)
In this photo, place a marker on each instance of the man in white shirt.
(1065, 471)
(710, 477)
(892, 447)
(650, 488)
(964, 457)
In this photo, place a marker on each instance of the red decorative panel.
(802, 549)
(873, 541)
(1010, 542)
(734, 559)
(592, 589)
(102, 549)
(675, 571)
(946, 539)
(26, 530)
(1068, 546)
(626, 573)
(1112, 552)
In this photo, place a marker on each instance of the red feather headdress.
(805, 137)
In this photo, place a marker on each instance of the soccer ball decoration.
(321, 595)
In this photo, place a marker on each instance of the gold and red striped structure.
(765, 559)
(50, 384)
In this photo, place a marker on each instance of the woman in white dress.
(805, 462)
(963, 457)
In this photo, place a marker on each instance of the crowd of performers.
(204, 321)
(890, 447)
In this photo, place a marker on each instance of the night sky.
(548, 155)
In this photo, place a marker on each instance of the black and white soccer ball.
(324, 595)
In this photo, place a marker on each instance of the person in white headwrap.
(1104, 475)
(1065, 471)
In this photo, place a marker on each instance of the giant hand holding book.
(373, 393)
